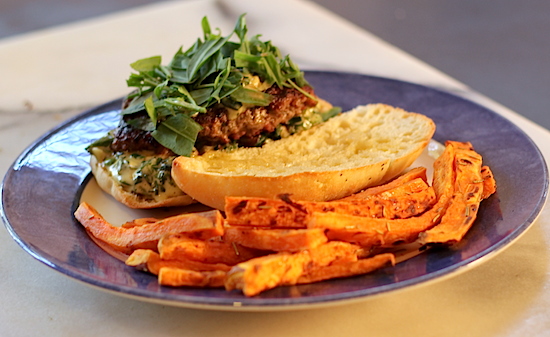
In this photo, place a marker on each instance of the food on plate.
(221, 93)
(409, 199)
(276, 240)
(146, 235)
(489, 182)
(473, 182)
(283, 269)
(177, 277)
(212, 250)
(308, 243)
(459, 186)
(412, 174)
(364, 147)
(150, 261)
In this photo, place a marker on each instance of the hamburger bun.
(106, 181)
(364, 147)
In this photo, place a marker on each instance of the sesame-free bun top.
(364, 147)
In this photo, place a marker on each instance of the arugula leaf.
(205, 27)
(159, 89)
(250, 96)
(104, 141)
(140, 123)
(178, 133)
(241, 30)
(146, 64)
(137, 104)
(201, 95)
(181, 103)
(150, 108)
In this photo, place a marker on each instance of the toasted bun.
(132, 200)
(364, 147)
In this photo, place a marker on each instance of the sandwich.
(221, 94)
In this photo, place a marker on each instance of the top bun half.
(364, 147)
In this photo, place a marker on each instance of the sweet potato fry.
(176, 277)
(334, 251)
(403, 201)
(371, 232)
(413, 174)
(267, 272)
(138, 222)
(242, 211)
(444, 175)
(147, 235)
(144, 260)
(489, 182)
(468, 193)
(413, 186)
(346, 269)
(150, 261)
(289, 240)
(181, 246)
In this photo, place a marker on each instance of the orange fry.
(369, 232)
(267, 272)
(180, 246)
(468, 193)
(147, 235)
(489, 182)
(289, 240)
(148, 260)
(176, 277)
(243, 211)
(407, 200)
(139, 222)
(403, 201)
(347, 268)
(413, 174)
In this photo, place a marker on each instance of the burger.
(220, 94)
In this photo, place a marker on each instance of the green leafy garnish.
(177, 132)
(213, 70)
(104, 141)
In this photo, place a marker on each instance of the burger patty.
(250, 124)
(219, 129)
(128, 138)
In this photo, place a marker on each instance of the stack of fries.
(260, 244)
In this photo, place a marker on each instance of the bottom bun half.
(108, 184)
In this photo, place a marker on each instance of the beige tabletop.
(54, 74)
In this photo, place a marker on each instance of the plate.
(43, 187)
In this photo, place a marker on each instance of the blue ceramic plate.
(43, 187)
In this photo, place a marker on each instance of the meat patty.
(249, 125)
(219, 129)
(129, 138)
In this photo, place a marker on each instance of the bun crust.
(364, 147)
(132, 200)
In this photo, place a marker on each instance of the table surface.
(501, 51)
(56, 73)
